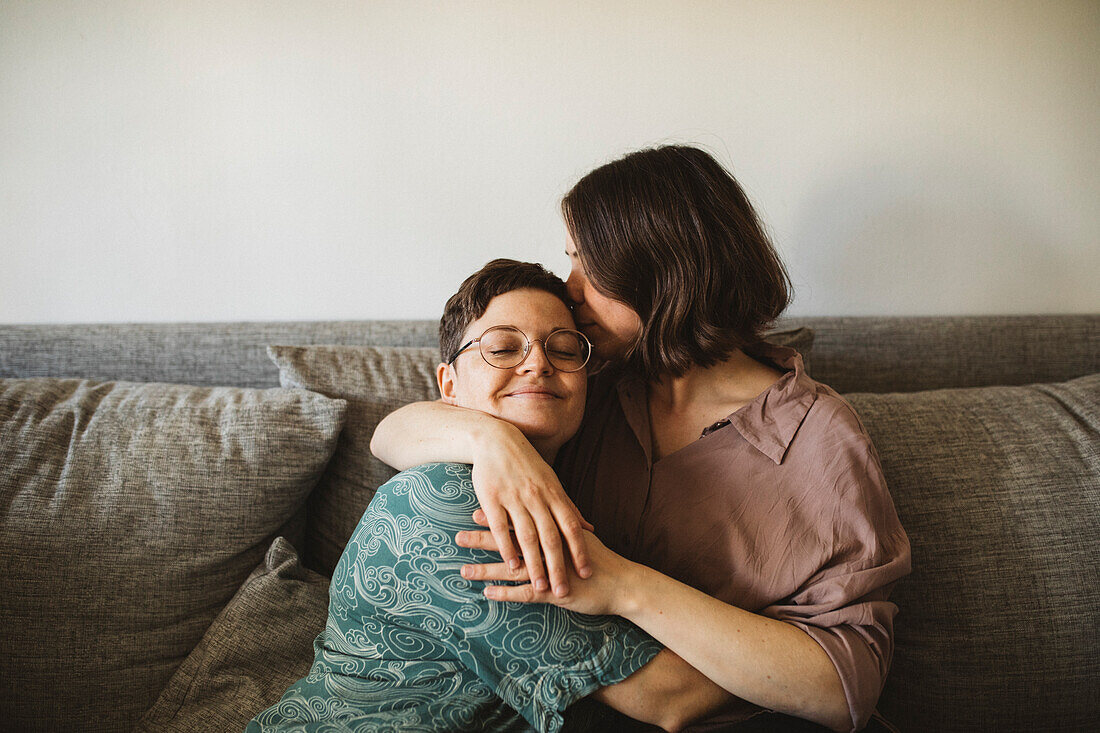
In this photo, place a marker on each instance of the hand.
(605, 591)
(519, 493)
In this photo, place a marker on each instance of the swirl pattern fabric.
(410, 645)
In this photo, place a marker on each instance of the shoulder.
(832, 420)
(833, 446)
(434, 474)
(442, 488)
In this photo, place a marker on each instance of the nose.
(536, 360)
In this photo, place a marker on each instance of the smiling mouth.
(534, 393)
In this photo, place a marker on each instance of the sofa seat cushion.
(129, 516)
(999, 491)
(258, 646)
(375, 381)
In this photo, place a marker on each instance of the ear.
(445, 378)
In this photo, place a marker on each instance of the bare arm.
(668, 692)
(517, 490)
(767, 662)
(422, 432)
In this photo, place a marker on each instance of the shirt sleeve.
(844, 605)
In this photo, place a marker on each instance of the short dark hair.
(495, 278)
(669, 232)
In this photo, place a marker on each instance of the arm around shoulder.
(424, 432)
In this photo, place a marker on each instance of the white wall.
(313, 160)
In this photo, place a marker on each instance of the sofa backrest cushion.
(129, 516)
(259, 645)
(375, 382)
(851, 354)
(999, 491)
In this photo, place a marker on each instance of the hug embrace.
(626, 495)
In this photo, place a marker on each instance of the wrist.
(631, 594)
(489, 435)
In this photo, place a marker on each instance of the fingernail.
(514, 563)
(585, 572)
(489, 592)
(460, 537)
(561, 591)
(542, 585)
(465, 572)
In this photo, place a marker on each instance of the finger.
(498, 525)
(550, 539)
(517, 594)
(527, 535)
(572, 531)
(493, 571)
(568, 507)
(476, 540)
(480, 518)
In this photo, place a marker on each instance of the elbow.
(376, 445)
(836, 715)
(673, 721)
(381, 446)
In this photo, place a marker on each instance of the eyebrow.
(550, 331)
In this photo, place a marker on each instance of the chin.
(542, 430)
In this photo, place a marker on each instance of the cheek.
(475, 391)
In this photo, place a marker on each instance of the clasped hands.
(604, 591)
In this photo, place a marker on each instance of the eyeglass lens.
(505, 348)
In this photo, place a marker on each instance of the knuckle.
(571, 525)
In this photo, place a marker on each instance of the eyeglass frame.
(528, 344)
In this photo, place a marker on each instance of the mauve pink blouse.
(781, 509)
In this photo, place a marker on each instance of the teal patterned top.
(410, 645)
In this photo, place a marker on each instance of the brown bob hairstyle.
(670, 233)
(495, 278)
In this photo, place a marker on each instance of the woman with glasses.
(409, 644)
(744, 518)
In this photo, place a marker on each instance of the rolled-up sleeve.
(844, 606)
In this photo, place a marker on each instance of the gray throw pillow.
(259, 645)
(129, 515)
(999, 491)
(375, 381)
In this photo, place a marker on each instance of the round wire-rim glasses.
(505, 347)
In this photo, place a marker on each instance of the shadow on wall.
(939, 235)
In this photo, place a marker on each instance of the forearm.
(425, 432)
(762, 660)
(667, 692)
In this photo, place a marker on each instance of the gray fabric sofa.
(157, 542)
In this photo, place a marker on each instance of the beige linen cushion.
(998, 489)
(375, 381)
(129, 515)
(258, 646)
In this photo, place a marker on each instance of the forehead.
(535, 312)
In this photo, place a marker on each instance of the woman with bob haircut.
(742, 515)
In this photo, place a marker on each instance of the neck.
(547, 449)
(736, 380)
